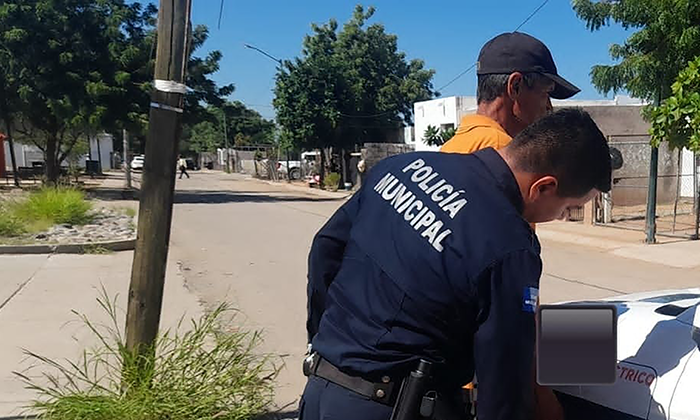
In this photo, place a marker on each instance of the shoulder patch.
(530, 299)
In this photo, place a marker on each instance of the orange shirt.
(477, 132)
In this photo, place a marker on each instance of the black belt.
(384, 392)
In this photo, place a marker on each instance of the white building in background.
(443, 113)
(446, 113)
(27, 154)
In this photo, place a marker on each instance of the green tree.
(668, 37)
(9, 103)
(62, 53)
(204, 91)
(349, 86)
(677, 120)
(205, 137)
(432, 137)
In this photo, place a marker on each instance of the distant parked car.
(192, 164)
(137, 162)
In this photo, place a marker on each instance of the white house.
(26, 154)
(620, 116)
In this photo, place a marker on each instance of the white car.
(658, 362)
(137, 162)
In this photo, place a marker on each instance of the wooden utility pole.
(158, 185)
(127, 164)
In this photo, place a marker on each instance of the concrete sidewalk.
(37, 295)
(629, 244)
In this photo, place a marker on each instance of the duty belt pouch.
(437, 406)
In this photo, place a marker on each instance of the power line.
(262, 52)
(221, 12)
(516, 30)
(531, 15)
(457, 77)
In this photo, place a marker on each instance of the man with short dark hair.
(434, 259)
(516, 79)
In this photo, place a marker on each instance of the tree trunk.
(289, 171)
(99, 155)
(322, 172)
(11, 144)
(52, 165)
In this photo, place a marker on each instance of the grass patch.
(43, 208)
(10, 224)
(96, 250)
(209, 372)
(57, 206)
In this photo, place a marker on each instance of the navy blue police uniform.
(431, 259)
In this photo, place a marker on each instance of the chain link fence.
(677, 189)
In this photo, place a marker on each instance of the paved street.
(246, 242)
(250, 245)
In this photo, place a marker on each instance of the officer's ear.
(544, 187)
(514, 85)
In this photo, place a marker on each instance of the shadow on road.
(223, 197)
(208, 197)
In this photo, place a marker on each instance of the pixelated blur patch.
(576, 344)
(530, 295)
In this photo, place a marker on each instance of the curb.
(308, 190)
(124, 245)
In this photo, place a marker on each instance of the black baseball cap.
(516, 51)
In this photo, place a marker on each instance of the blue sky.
(447, 35)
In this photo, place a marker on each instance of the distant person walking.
(182, 164)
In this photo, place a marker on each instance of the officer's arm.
(504, 342)
(325, 258)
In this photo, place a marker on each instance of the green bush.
(332, 181)
(209, 372)
(10, 225)
(56, 206)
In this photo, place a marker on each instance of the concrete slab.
(16, 271)
(39, 318)
(680, 254)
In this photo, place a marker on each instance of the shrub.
(207, 372)
(56, 206)
(332, 181)
(10, 225)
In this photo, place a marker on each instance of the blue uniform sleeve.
(505, 340)
(325, 258)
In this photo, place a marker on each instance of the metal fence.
(677, 189)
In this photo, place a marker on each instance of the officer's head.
(517, 74)
(561, 161)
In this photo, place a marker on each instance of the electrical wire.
(221, 13)
(527, 19)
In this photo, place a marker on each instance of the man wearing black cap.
(516, 79)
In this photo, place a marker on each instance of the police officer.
(434, 259)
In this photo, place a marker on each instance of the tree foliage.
(205, 137)
(349, 86)
(678, 118)
(434, 136)
(667, 37)
(60, 54)
(73, 68)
